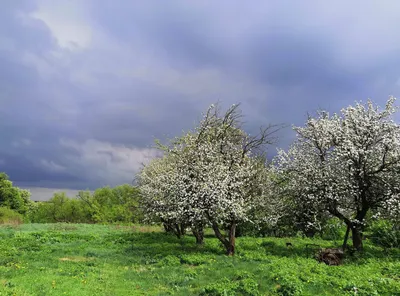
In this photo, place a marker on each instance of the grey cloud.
(147, 70)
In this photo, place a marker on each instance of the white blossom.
(346, 164)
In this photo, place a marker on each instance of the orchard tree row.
(343, 165)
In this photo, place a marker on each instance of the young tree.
(346, 165)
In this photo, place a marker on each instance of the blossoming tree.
(159, 194)
(346, 164)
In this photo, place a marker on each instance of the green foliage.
(105, 205)
(60, 208)
(196, 259)
(384, 234)
(170, 260)
(334, 229)
(289, 285)
(8, 216)
(243, 286)
(118, 204)
(13, 197)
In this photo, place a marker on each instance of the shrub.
(334, 229)
(13, 197)
(384, 234)
(8, 216)
(110, 205)
(60, 208)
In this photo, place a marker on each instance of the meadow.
(87, 259)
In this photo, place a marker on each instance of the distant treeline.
(119, 204)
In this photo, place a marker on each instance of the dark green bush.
(384, 234)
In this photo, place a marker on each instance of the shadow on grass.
(148, 245)
(151, 247)
(309, 250)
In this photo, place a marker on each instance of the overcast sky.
(87, 85)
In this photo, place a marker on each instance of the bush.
(60, 208)
(334, 229)
(113, 205)
(384, 234)
(14, 197)
(105, 205)
(8, 216)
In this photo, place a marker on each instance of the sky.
(86, 86)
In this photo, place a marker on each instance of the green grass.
(74, 259)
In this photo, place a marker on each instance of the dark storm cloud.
(174, 30)
(86, 86)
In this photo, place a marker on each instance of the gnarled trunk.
(354, 225)
(229, 243)
(178, 229)
(357, 228)
(232, 240)
(198, 233)
(357, 237)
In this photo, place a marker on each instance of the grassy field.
(72, 259)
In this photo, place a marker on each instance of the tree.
(159, 194)
(230, 170)
(13, 197)
(117, 204)
(345, 165)
(211, 175)
(166, 192)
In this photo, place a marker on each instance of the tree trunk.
(229, 244)
(232, 240)
(173, 228)
(182, 229)
(166, 227)
(198, 233)
(357, 238)
(346, 237)
(356, 227)
(177, 231)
